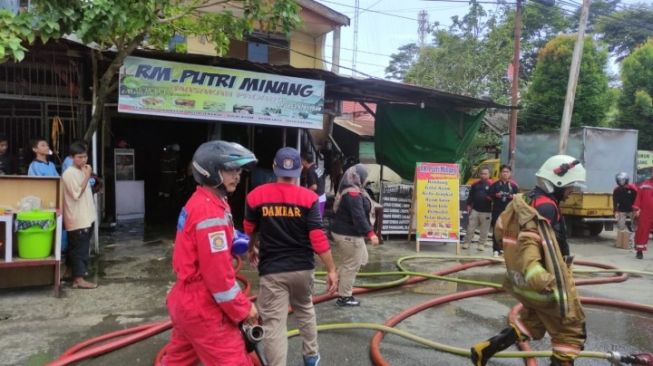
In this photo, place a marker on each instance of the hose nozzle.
(642, 359)
(253, 335)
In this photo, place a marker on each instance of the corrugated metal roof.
(356, 119)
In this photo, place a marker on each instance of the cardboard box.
(623, 240)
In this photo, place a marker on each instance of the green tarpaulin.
(406, 134)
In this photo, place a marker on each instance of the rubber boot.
(557, 362)
(483, 351)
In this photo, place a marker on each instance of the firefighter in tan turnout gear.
(538, 272)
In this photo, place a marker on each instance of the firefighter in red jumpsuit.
(206, 303)
(643, 210)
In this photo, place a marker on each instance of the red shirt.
(202, 252)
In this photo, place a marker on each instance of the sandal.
(84, 285)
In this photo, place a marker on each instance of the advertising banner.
(437, 190)
(173, 89)
(644, 159)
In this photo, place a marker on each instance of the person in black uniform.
(479, 206)
(313, 178)
(501, 192)
(623, 198)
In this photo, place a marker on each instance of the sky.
(386, 25)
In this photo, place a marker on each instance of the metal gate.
(48, 83)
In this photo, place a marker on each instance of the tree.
(636, 101)
(124, 25)
(20, 30)
(599, 9)
(401, 61)
(540, 25)
(544, 101)
(469, 58)
(477, 151)
(624, 30)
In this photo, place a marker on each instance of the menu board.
(437, 206)
(396, 201)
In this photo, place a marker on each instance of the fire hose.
(108, 342)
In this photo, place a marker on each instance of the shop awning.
(340, 87)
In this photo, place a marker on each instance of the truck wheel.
(595, 228)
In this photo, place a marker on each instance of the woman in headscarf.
(350, 227)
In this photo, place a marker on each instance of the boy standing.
(79, 214)
(6, 161)
(40, 166)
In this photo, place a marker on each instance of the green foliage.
(401, 61)
(124, 25)
(469, 58)
(472, 56)
(599, 10)
(118, 23)
(476, 153)
(540, 25)
(20, 30)
(635, 104)
(544, 100)
(625, 30)
(612, 116)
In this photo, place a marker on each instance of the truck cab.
(492, 164)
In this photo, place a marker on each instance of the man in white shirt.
(78, 214)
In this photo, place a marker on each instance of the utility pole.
(573, 77)
(357, 11)
(512, 141)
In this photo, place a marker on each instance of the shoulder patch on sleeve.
(181, 220)
(218, 241)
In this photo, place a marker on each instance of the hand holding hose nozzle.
(253, 335)
(642, 359)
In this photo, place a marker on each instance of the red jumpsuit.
(206, 303)
(644, 203)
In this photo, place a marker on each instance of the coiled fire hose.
(105, 343)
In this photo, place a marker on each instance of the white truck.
(604, 152)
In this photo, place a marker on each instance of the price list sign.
(437, 206)
(396, 200)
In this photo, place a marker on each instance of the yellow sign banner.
(437, 206)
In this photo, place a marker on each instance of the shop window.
(237, 49)
(261, 49)
(177, 43)
(257, 52)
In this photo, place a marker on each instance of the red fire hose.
(108, 342)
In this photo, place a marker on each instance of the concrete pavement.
(134, 273)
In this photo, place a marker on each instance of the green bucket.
(35, 242)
